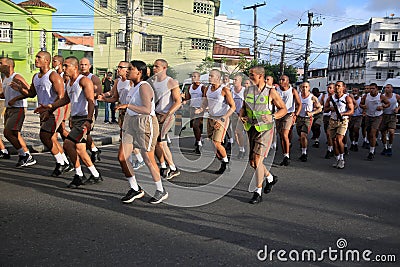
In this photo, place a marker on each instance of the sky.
(333, 14)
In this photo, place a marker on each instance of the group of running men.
(147, 106)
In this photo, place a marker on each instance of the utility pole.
(282, 64)
(128, 29)
(309, 25)
(254, 7)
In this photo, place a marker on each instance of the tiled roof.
(226, 51)
(37, 3)
(77, 40)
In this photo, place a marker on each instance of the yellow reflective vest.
(256, 106)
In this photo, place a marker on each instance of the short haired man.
(388, 125)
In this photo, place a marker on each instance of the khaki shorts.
(141, 131)
(355, 122)
(337, 127)
(388, 122)
(260, 142)
(165, 126)
(373, 122)
(216, 135)
(53, 122)
(284, 123)
(14, 118)
(303, 125)
(78, 133)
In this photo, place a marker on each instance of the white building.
(227, 31)
(364, 54)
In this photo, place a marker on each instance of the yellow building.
(179, 31)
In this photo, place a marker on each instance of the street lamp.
(266, 38)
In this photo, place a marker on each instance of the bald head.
(85, 65)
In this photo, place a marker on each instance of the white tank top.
(90, 77)
(196, 96)
(79, 103)
(372, 102)
(123, 88)
(325, 100)
(341, 105)
(10, 93)
(216, 102)
(44, 89)
(287, 97)
(393, 105)
(358, 110)
(307, 105)
(238, 98)
(134, 98)
(163, 97)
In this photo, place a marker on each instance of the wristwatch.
(222, 119)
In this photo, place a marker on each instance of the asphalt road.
(43, 223)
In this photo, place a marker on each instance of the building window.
(6, 31)
(395, 36)
(362, 74)
(103, 3)
(153, 7)
(338, 76)
(351, 75)
(102, 37)
(360, 39)
(356, 75)
(122, 6)
(151, 43)
(120, 39)
(330, 78)
(382, 36)
(202, 44)
(392, 55)
(378, 75)
(390, 74)
(380, 55)
(202, 8)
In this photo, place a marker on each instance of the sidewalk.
(103, 134)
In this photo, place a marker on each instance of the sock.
(159, 186)
(139, 157)
(341, 156)
(286, 155)
(231, 140)
(241, 149)
(345, 145)
(366, 140)
(338, 157)
(133, 183)
(316, 139)
(199, 143)
(79, 171)
(356, 143)
(5, 151)
(65, 159)
(225, 159)
(21, 152)
(95, 149)
(259, 190)
(59, 158)
(390, 146)
(303, 150)
(163, 165)
(386, 146)
(270, 178)
(93, 170)
(172, 167)
(353, 142)
(330, 148)
(372, 149)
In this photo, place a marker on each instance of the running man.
(388, 125)
(85, 66)
(373, 104)
(14, 116)
(327, 115)
(168, 101)
(284, 125)
(195, 95)
(80, 94)
(258, 119)
(221, 106)
(355, 120)
(341, 107)
(309, 106)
